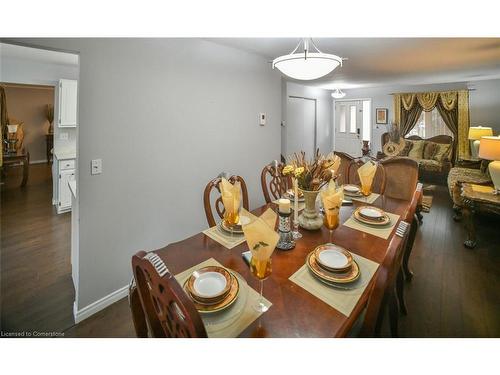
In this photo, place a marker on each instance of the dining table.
(294, 311)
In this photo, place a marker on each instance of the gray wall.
(484, 103)
(324, 110)
(166, 116)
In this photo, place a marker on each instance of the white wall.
(324, 136)
(166, 116)
(484, 103)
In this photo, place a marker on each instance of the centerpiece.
(310, 176)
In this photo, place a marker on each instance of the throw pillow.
(417, 150)
(429, 150)
(442, 152)
(406, 149)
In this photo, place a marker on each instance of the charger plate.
(352, 274)
(207, 300)
(378, 223)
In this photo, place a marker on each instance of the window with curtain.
(429, 125)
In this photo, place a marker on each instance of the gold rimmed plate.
(227, 301)
(352, 274)
(209, 284)
(384, 221)
(333, 258)
(352, 190)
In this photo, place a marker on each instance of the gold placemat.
(231, 322)
(301, 205)
(369, 199)
(384, 232)
(225, 239)
(482, 188)
(340, 299)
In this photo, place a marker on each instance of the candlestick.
(296, 234)
(286, 241)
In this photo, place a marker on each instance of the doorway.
(301, 127)
(352, 125)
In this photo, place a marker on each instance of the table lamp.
(475, 134)
(489, 149)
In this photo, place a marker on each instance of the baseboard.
(99, 305)
(38, 161)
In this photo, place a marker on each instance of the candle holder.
(295, 233)
(286, 241)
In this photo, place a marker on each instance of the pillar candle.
(295, 200)
(284, 206)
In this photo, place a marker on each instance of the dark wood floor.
(455, 291)
(36, 288)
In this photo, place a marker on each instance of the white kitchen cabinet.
(66, 170)
(67, 103)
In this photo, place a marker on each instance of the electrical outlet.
(64, 136)
(96, 166)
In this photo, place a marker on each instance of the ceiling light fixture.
(307, 65)
(338, 94)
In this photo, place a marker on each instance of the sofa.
(433, 155)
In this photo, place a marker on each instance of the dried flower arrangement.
(49, 115)
(312, 174)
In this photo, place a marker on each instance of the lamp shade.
(489, 148)
(476, 132)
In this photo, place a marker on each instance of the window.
(342, 119)
(429, 125)
(353, 119)
(367, 130)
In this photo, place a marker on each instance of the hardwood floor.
(36, 288)
(455, 291)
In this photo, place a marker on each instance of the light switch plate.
(262, 119)
(63, 136)
(96, 166)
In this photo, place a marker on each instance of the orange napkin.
(231, 196)
(260, 234)
(366, 173)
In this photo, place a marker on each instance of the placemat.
(340, 299)
(384, 232)
(225, 239)
(231, 322)
(369, 199)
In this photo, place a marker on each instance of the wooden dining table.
(294, 311)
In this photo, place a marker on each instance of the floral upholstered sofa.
(433, 155)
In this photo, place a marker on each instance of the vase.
(310, 218)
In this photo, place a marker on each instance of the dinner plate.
(378, 223)
(371, 213)
(209, 284)
(352, 189)
(352, 274)
(227, 301)
(333, 258)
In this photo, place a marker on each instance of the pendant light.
(306, 65)
(338, 94)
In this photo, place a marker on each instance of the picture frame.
(381, 115)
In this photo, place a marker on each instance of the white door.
(301, 126)
(64, 191)
(68, 90)
(349, 127)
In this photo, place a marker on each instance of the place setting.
(372, 220)
(362, 192)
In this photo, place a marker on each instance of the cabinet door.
(68, 90)
(64, 191)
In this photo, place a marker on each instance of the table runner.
(340, 299)
(383, 232)
(243, 315)
(369, 199)
(216, 234)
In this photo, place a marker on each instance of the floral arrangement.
(313, 174)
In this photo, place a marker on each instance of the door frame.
(315, 119)
(334, 101)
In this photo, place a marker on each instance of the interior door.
(301, 125)
(349, 127)
(67, 102)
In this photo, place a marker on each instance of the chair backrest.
(378, 185)
(168, 310)
(274, 184)
(385, 280)
(218, 205)
(401, 177)
(345, 160)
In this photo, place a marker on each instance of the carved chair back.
(167, 309)
(218, 206)
(274, 184)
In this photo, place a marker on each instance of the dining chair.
(401, 177)
(345, 160)
(166, 309)
(378, 185)
(274, 184)
(218, 205)
(383, 294)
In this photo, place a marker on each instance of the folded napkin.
(366, 174)
(332, 198)
(231, 197)
(260, 234)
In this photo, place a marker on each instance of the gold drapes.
(3, 120)
(428, 101)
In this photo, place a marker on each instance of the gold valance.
(427, 100)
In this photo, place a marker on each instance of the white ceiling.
(391, 61)
(37, 55)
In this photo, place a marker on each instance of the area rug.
(426, 203)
